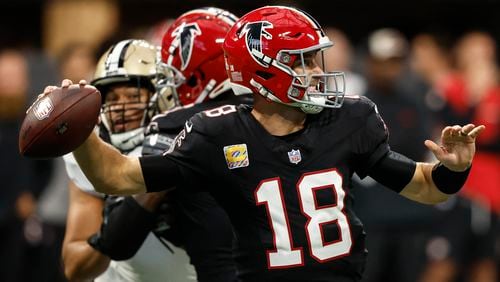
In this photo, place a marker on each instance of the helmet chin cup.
(314, 107)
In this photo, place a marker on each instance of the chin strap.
(127, 141)
(306, 108)
(313, 109)
(210, 86)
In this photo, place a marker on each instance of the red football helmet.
(264, 45)
(192, 59)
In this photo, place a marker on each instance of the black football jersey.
(199, 223)
(163, 128)
(288, 198)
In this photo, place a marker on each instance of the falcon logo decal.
(184, 39)
(254, 33)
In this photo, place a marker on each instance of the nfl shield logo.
(294, 156)
(43, 109)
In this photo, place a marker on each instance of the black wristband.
(124, 229)
(448, 181)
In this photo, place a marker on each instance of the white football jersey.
(153, 261)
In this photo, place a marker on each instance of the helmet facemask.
(126, 77)
(127, 108)
(126, 113)
(266, 51)
(312, 91)
(169, 77)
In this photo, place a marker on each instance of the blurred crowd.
(418, 83)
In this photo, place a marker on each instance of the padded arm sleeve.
(125, 227)
(394, 171)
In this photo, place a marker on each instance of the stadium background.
(23, 20)
(43, 31)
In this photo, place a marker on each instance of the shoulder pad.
(170, 122)
(358, 106)
(212, 121)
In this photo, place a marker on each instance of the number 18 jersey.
(288, 197)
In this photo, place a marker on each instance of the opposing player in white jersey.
(95, 243)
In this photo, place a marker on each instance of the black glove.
(124, 228)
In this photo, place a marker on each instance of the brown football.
(59, 122)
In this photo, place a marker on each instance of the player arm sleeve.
(394, 171)
(188, 161)
(159, 172)
(370, 142)
(125, 227)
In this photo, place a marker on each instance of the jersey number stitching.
(284, 255)
(220, 111)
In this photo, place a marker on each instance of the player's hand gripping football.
(59, 120)
(64, 84)
(457, 146)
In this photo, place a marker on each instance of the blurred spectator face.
(387, 49)
(339, 56)
(476, 59)
(13, 84)
(427, 56)
(77, 62)
(475, 47)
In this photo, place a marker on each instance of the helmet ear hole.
(192, 81)
(264, 75)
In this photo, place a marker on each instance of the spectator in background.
(21, 179)
(395, 233)
(476, 61)
(77, 60)
(340, 57)
(460, 246)
(386, 71)
(431, 60)
(476, 58)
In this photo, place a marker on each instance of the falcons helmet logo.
(254, 32)
(184, 38)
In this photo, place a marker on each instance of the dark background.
(20, 20)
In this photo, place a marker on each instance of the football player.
(282, 167)
(94, 246)
(192, 66)
(204, 227)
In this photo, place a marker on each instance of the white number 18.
(269, 192)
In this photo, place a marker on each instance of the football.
(59, 121)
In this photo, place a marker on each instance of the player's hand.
(67, 82)
(458, 146)
(64, 84)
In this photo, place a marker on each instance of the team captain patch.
(236, 156)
